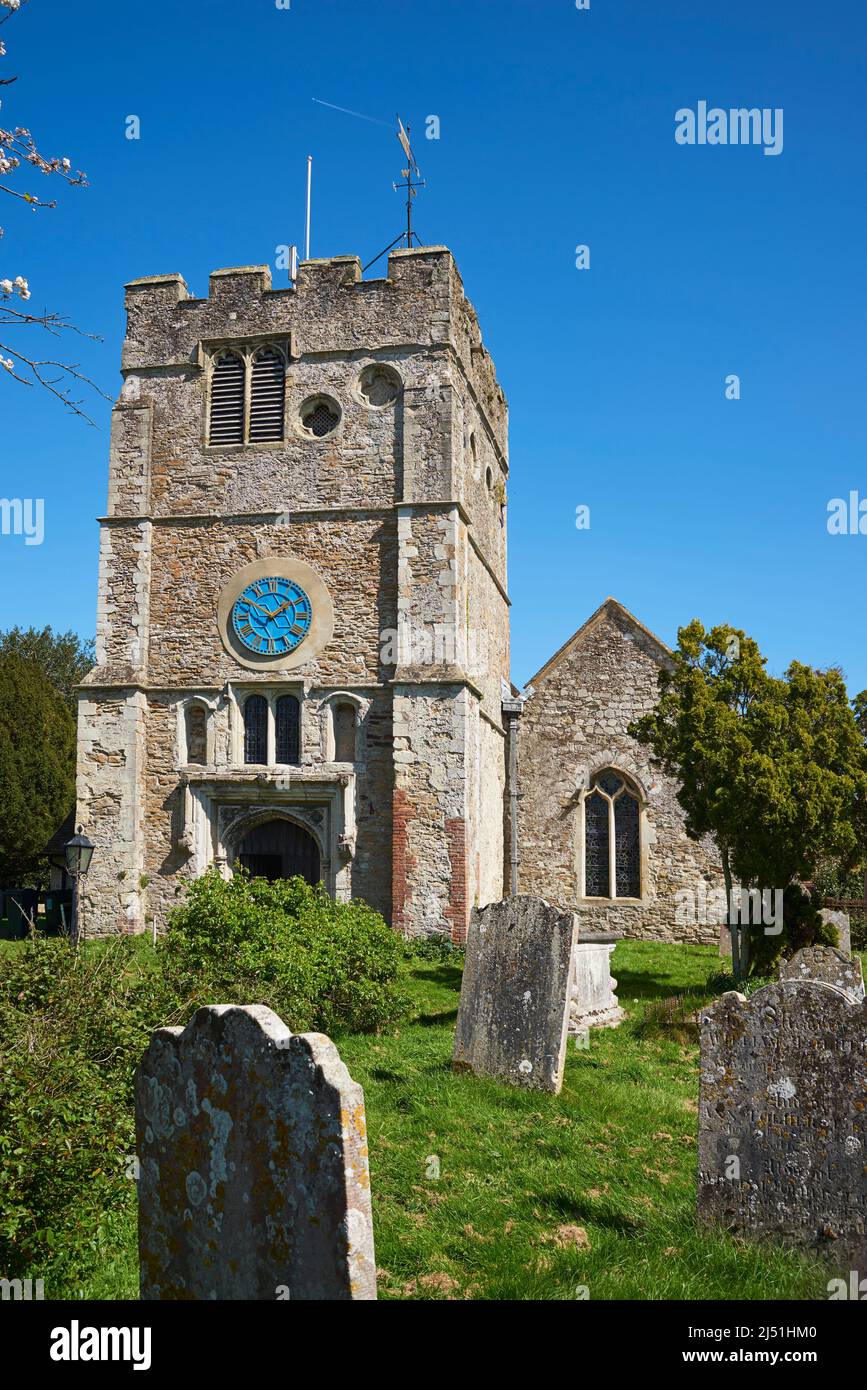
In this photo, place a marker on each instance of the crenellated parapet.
(331, 308)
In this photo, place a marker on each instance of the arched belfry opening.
(277, 849)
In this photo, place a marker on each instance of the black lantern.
(78, 854)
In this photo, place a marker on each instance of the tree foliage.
(63, 656)
(37, 767)
(773, 768)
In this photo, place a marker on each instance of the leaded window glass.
(596, 846)
(287, 714)
(612, 838)
(627, 857)
(256, 729)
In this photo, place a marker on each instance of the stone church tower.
(303, 624)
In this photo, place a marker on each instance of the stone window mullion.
(248, 392)
(612, 850)
(272, 735)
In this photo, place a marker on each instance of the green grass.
(537, 1195)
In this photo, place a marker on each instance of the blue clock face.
(272, 616)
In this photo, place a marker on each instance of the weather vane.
(412, 181)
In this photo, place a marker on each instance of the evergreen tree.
(773, 768)
(37, 768)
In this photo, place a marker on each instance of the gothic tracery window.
(612, 838)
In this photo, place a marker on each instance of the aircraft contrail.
(347, 112)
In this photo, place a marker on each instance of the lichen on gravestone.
(782, 1105)
(253, 1164)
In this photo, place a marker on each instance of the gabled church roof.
(610, 606)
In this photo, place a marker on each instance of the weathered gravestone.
(829, 965)
(593, 1002)
(840, 920)
(517, 985)
(783, 1099)
(253, 1172)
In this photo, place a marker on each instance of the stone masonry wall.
(389, 514)
(572, 726)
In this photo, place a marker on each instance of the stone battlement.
(331, 309)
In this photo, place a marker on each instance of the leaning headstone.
(828, 965)
(253, 1172)
(840, 920)
(782, 1142)
(593, 1002)
(517, 985)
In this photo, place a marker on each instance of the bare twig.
(38, 367)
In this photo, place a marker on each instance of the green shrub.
(73, 1026)
(319, 964)
(438, 949)
(802, 926)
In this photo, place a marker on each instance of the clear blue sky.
(557, 129)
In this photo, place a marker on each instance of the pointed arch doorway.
(278, 849)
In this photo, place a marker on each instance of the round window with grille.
(320, 415)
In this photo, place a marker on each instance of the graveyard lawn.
(484, 1191)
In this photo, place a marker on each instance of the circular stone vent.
(320, 416)
(379, 385)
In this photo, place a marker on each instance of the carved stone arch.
(618, 762)
(245, 821)
(241, 825)
(256, 350)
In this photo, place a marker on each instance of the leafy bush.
(319, 964)
(438, 949)
(802, 926)
(73, 1025)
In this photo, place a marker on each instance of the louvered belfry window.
(267, 391)
(248, 390)
(227, 400)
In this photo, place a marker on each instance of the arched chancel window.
(344, 732)
(267, 396)
(226, 424)
(196, 728)
(255, 729)
(612, 838)
(287, 718)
